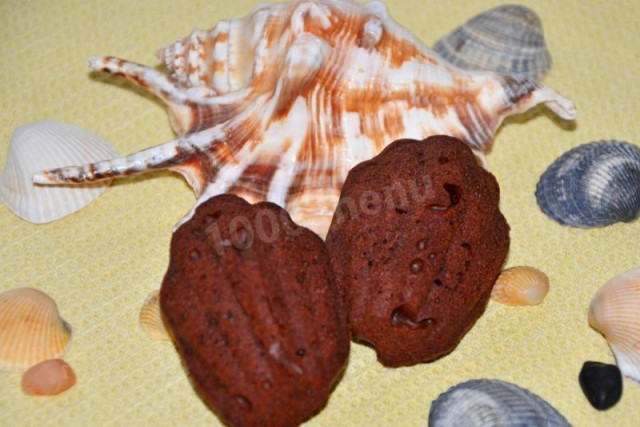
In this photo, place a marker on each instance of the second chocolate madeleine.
(251, 302)
(416, 244)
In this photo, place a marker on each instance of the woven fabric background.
(100, 263)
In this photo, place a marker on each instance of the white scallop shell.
(31, 329)
(507, 39)
(41, 145)
(492, 403)
(615, 312)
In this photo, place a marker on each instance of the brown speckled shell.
(253, 307)
(417, 271)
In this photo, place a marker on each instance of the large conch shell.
(280, 104)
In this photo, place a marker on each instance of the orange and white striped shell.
(281, 104)
(31, 329)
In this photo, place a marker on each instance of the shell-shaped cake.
(281, 104)
(416, 243)
(592, 185)
(521, 285)
(507, 39)
(479, 403)
(31, 329)
(615, 312)
(41, 145)
(252, 305)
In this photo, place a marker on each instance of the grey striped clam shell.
(592, 185)
(492, 403)
(507, 39)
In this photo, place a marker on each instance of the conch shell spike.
(279, 105)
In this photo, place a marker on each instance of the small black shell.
(601, 383)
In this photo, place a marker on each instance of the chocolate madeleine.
(251, 302)
(416, 244)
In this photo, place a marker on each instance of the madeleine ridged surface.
(615, 312)
(416, 245)
(251, 302)
(41, 145)
(520, 285)
(31, 329)
(281, 104)
(151, 318)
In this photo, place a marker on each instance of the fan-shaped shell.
(507, 39)
(520, 286)
(492, 403)
(41, 145)
(31, 329)
(592, 185)
(151, 318)
(615, 312)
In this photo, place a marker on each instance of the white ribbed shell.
(45, 145)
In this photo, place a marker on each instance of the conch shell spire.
(281, 104)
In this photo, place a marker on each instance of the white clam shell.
(615, 312)
(43, 145)
(31, 329)
(492, 403)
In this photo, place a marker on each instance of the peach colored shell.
(521, 285)
(615, 313)
(281, 104)
(31, 329)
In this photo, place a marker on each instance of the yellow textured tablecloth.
(100, 263)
